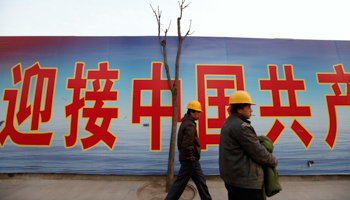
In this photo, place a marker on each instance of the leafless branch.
(163, 44)
(189, 30)
(169, 25)
(182, 7)
(158, 16)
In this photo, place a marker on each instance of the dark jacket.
(187, 140)
(241, 155)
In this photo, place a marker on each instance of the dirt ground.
(156, 191)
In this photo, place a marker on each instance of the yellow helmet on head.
(239, 97)
(195, 105)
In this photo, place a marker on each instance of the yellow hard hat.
(240, 97)
(194, 105)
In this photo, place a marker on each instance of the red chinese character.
(98, 95)
(338, 99)
(156, 84)
(77, 84)
(232, 78)
(290, 85)
(44, 77)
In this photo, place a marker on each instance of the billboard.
(102, 105)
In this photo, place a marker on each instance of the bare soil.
(156, 191)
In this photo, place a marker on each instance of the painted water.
(132, 156)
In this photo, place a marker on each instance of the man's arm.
(187, 143)
(251, 144)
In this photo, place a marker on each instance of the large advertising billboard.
(102, 105)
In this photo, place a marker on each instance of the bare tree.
(173, 87)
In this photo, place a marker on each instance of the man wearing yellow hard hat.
(189, 155)
(241, 155)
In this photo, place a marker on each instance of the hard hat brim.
(243, 103)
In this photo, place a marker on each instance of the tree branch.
(181, 39)
(158, 21)
(163, 44)
(188, 32)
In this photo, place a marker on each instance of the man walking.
(189, 155)
(241, 155)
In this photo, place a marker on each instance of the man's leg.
(199, 179)
(182, 179)
(231, 191)
(236, 193)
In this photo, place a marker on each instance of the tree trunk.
(173, 88)
(170, 172)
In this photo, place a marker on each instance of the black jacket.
(241, 155)
(187, 140)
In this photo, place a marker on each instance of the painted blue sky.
(133, 57)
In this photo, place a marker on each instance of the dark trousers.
(236, 193)
(189, 170)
